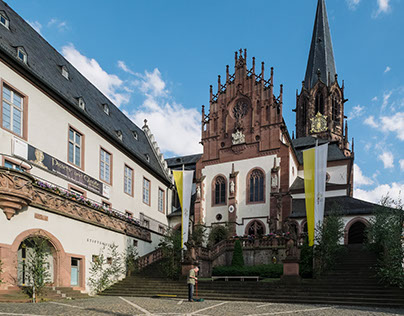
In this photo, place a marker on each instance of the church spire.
(321, 64)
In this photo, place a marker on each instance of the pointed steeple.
(321, 62)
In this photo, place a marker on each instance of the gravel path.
(128, 306)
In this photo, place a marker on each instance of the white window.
(11, 165)
(82, 104)
(4, 20)
(75, 147)
(135, 135)
(22, 55)
(105, 166)
(12, 111)
(106, 205)
(128, 180)
(146, 191)
(106, 108)
(65, 73)
(77, 192)
(147, 157)
(146, 223)
(161, 201)
(119, 135)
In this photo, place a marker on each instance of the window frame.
(143, 188)
(108, 204)
(65, 73)
(74, 188)
(6, 23)
(24, 125)
(248, 186)
(224, 203)
(131, 182)
(164, 200)
(82, 147)
(23, 165)
(110, 166)
(24, 54)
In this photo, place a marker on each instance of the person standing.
(192, 279)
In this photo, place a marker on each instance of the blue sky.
(156, 60)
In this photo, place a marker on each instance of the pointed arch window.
(319, 103)
(255, 228)
(219, 191)
(335, 108)
(256, 186)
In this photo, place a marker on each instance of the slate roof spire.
(321, 62)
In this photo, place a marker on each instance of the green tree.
(328, 236)
(37, 266)
(170, 245)
(385, 238)
(105, 269)
(198, 236)
(131, 260)
(238, 259)
(306, 260)
(217, 234)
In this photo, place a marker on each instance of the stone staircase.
(351, 283)
(58, 293)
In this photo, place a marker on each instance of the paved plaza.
(128, 306)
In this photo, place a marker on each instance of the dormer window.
(147, 157)
(82, 104)
(135, 135)
(119, 134)
(65, 73)
(22, 55)
(4, 20)
(106, 109)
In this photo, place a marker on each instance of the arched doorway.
(357, 233)
(31, 253)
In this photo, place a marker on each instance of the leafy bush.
(131, 263)
(328, 235)
(170, 245)
(217, 234)
(385, 235)
(263, 271)
(198, 236)
(306, 260)
(238, 259)
(105, 270)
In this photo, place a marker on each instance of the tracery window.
(219, 190)
(335, 108)
(256, 228)
(257, 187)
(319, 103)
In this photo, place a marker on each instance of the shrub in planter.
(263, 271)
(238, 260)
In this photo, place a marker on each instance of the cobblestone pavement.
(128, 306)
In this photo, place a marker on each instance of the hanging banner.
(315, 167)
(183, 182)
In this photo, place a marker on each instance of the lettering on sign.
(47, 162)
(98, 242)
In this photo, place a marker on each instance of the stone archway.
(60, 260)
(255, 227)
(355, 231)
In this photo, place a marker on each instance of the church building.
(250, 175)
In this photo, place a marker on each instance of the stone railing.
(19, 189)
(246, 243)
(150, 258)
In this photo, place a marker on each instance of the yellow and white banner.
(315, 172)
(183, 182)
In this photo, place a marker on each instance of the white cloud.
(387, 69)
(371, 121)
(176, 128)
(107, 83)
(383, 6)
(393, 190)
(387, 158)
(122, 65)
(151, 83)
(61, 25)
(359, 178)
(374, 99)
(386, 97)
(356, 112)
(36, 26)
(401, 162)
(394, 123)
(352, 4)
